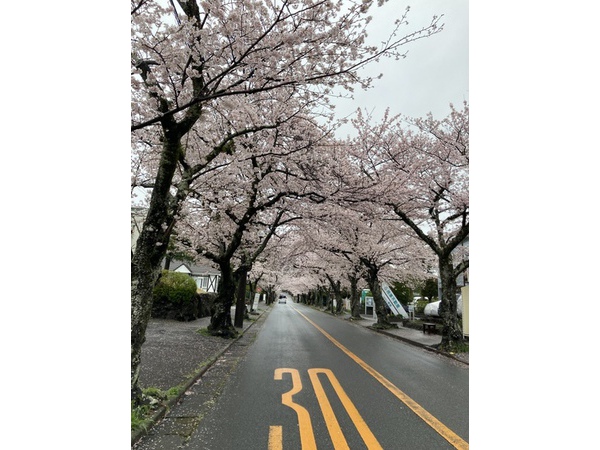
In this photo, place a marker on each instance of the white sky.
(435, 72)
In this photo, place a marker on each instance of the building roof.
(195, 269)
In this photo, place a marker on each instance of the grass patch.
(155, 393)
(383, 326)
(140, 417)
(152, 399)
(460, 348)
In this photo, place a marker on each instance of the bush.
(175, 297)
(420, 308)
(175, 287)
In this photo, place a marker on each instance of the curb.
(165, 407)
(409, 341)
(418, 344)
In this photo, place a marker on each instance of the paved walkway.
(407, 334)
(175, 353)
(410, 335)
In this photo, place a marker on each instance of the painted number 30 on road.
(307, 437)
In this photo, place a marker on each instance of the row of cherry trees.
(232, 132)
(417, 171)
(400, 211)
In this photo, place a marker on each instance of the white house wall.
(208, 283)
(182, 269)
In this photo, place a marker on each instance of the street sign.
(255, 302)
(368, 301)
(392, 301)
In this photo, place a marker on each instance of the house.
(205, 276)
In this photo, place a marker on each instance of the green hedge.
(175, 287)
(175, 296)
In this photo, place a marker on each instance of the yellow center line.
(434, 423)
(339, 441)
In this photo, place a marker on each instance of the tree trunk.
(252, 295)
(337, 295)
(380, 306)
(354, 297)
(452, 335)
(372, 276)
(253, 286)
(220, 322)
(240, 305)
(324, 298)
(328, 302)
(339, 308)
(151, 247)
(143, 279)
(269, 294)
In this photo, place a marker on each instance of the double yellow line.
(443, 430)
(307, 438)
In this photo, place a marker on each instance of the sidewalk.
(409, 335)
(177, 354)
(174, 352)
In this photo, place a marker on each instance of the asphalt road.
(310, 380)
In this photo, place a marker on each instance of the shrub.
(175, 296)
(420, 308)
(175, 287)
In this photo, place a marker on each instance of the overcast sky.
(435, 72)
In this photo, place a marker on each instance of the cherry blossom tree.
(341, 243)
(186, 76)
(308, 256)
(329, 259)
(270, 264)
(239, 206)
(387, 253)
(418, 170)
(288, 268)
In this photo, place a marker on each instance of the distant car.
(282, 299)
